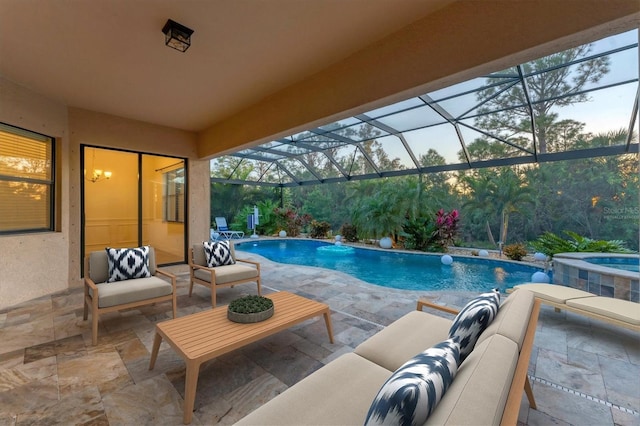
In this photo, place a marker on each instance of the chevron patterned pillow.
(128, 263)
(218, 253)
(412, 392)
(473, 319)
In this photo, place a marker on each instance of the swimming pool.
(408, 271)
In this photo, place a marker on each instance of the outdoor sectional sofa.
(487, 388)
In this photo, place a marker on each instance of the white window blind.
(26, 180)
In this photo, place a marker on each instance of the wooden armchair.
(103, 296)
(243, 271)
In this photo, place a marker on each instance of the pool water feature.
(401, 270)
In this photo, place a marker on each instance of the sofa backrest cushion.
(473, 319)
(218, 253)
(99, 265)
(200, 258)
(513, 318)
(128, 263)
(414, 390)
(479, 393)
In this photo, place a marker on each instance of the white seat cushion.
(134, 290)
(554, 292)
(228, 273)
(623, 310)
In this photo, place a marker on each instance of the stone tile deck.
(583, 372)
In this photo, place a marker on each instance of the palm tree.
(508, 194)
(380, 207)
(480, 201)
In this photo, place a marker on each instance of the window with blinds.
(174, 196)
(26, 181)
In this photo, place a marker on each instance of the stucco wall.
(34, 265)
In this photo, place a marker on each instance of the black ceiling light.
(177, 36)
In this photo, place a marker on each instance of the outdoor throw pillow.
(473, 319)
(410, 395)
(218, 253)
(128, 263)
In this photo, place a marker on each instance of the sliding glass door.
(132, 199)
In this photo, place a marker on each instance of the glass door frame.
(139, 218)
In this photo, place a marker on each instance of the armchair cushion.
(128, 263)
(218, 253)
(228, 273)
(121, 292)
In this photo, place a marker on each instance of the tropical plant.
(515, 251)
(551, 244)
(319, 229)
(266, 217)
(479, 206)
(290, 221)
(418, 233)
(380, 208)
(446, 228)
(349, 232)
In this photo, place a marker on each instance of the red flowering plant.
(290, 221)
(446, 228)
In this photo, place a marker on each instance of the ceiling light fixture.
(177, 36)
(96, 174)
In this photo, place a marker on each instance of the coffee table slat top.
(205, 333)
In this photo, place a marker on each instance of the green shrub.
(550, 244)
(349, 233)
(418, 234)
(250, 304)
(515, 251)
(319, 229)
(289, 220)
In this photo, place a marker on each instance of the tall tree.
(551, 84)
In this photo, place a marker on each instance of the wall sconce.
(177, 36)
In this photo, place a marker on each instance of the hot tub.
(604, 274)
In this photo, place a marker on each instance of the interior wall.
(111, 206)
(168, 236)
(38, 264)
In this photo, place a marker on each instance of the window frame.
(173, 201)
(49, 183)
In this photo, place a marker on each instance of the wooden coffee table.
(206, 335)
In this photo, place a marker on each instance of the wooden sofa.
(103, 297)
(487, 388)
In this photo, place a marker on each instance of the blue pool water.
(624, 263)
(405, 271)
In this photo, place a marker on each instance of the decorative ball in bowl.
(250, 309)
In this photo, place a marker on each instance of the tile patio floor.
(583, 372)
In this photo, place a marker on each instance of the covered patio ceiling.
(492, 120)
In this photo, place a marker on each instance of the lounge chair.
(224, 231)
(623, 313)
